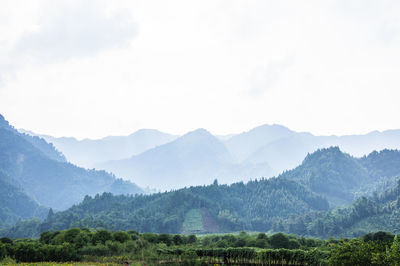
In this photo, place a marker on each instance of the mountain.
(88, 152)
(213, 208)
(196, 158)
(244, 144)
(264, 151)
(46, 148)
(50, 181)
(284, 149)
(380, 212)
(286, 152)
(342, 178)
(331, 173)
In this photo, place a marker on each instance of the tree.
(394, 252)
(177, 239)
(191, 239)
(101, 236)
(279, 240)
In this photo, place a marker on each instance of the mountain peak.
(324, 153)
(200, 132)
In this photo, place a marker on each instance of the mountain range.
(165, 161)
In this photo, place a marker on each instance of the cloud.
(75, 29)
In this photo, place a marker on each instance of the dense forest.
(341, 178)
(119, 247)
(254, 205)
(378, 212)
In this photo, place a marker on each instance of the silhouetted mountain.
(244, 144)
(264, 151)
(194, 159)
(88, 152)
(287, 152)
(50, 182)
(284, 149)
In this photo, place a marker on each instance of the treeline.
(379, 248)
(85, 245)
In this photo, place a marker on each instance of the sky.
(89, 69)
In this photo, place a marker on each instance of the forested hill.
(38, 170)
(342, 178)
(214, 208)
(376, 213)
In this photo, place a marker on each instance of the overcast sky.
(97, 68)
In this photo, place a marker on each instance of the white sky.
(97, 68)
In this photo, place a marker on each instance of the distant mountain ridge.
(264, 151)
(195, 158)
(87, 152)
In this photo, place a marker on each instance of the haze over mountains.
(88, 152)
(164, 161)
(35, 176)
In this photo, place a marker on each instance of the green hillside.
(254, 206)
(379, 212)
(342, 178)
(34, 174)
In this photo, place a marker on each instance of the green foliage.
(279, 240)
(379, 212)
(378, 248)
(215, 208)
(101, 236)
(358, 252)
(393, 255)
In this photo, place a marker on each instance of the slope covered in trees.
(342, 178)
(367, 214)
(253, 206)
(42, 173)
